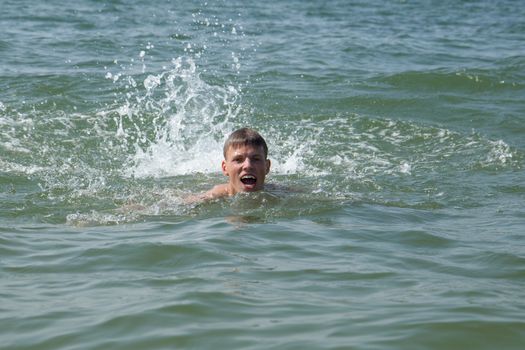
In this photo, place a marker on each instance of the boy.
(245, 163)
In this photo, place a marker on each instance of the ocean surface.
(397, 136)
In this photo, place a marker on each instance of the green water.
(397, 126)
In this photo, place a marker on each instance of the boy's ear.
(224, 170)
(268, 164)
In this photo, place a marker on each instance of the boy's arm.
(217, 191)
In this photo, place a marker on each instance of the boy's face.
(246, 166)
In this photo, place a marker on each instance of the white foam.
(189, 123)
(500, 153)
(405, 168)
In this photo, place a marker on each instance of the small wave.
(474, 80)
(96, 218)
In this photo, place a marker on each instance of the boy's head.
(245, 137)
(245, 161)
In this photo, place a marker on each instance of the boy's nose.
(247, 163)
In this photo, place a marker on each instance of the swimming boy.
(245, 163)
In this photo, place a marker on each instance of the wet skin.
(246, 166)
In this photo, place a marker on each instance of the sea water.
(396, 128)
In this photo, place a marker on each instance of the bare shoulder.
(217, 191)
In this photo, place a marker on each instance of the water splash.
(176, 125)
(162, 138)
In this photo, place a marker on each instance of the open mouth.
(249, 180)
